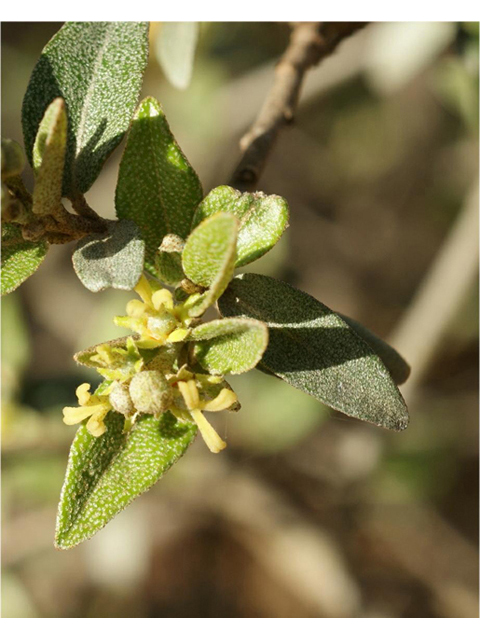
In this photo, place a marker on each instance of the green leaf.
(313, 349)
(20, 258)
(97, 68)
(49, 159)
(175, 49)
(118, 349)
(263, 219)
(232, 345)
(398, 368)
(105, 474)
(111, 259)
(157, 187)
(168, 260)
(209, 258)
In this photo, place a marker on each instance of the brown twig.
(310, 42)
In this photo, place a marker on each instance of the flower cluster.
(152, 371)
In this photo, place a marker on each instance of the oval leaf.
(49, 159)
(157, 187)
(262, 218)
(313, 349)
(20, 258)
(175, 49)
(208, 258)
(97, 68)
(105, 474)
(232, 345)
(399, 369)
(111, 259)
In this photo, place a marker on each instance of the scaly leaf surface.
(157, 188)
(230, 345)
(97, 68)
(314, 350)
(105, 474)
(262, 218)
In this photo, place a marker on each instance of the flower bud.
(150, 392)
(120, 399)
(161, 324)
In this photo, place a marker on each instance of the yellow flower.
(155, 318)
(195, 406)
(93, 407)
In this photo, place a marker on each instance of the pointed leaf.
(20, 258)
(313, 349)
(175, 50)
(157, 187)
(49, 159)
(111, 259)
(232, 345)
(263, 219)
(105, 474)
(399, 369)
(208, 258)
(97, 68)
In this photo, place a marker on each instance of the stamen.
(83, 393)
(189, 392)
(211, 437)
(225, 399)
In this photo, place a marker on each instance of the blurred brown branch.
(310, 42)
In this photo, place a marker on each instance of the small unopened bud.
(150, 392)
(161, 324)
(120, 399)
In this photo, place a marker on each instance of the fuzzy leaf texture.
(231, 345)
(157, 188)
(20, 258)
(97, 68)
(208, 258)
(49, 159)
(399, 369)
(314, 350)
(263, 219)
(175, 49)
(105, 474)
(111, 259)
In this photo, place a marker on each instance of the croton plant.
(179, 251)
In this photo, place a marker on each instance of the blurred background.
(307, 513)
